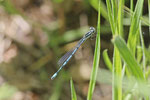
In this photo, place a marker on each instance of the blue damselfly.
(64, 60)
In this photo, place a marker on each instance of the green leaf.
(73, 93)
(129, 84)
(107, 60)
(128, 57)
(96, 60)
(117, 71)
(135, 26)
(149, 13)
(111, 20)
(120, 17)
(131, 5)
(143, 48)
(103, 9)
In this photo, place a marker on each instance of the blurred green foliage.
(6, 91)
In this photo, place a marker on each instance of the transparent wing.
(64, 58)
(67, 55)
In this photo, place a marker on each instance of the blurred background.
(34, 34)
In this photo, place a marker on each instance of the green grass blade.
(117, 71)
(116, 22)
(120, 17)
(143, 49)
(114, 11)
(131, 5)
(131, 8)
(107, 60)
(96, 60)
(147, 73)
(111, 21)
(145, 20)
(128, 57)
(128, 84)
(149, 13)
(135, 26)
(73, 93)
(103, 9)
(139, 54)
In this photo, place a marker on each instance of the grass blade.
(135, 26)
(73, 93)
(114, 11)
(149, 13)
(128, 84)
(116, 21)
(103, 9)
(107, 60)
(128, 57)
(111, 21)
(131, 5)
(96, 60)
(120, 17)
(117, 71)
(143, 49)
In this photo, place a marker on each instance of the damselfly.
(64, 60)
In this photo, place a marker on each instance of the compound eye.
(92, 29)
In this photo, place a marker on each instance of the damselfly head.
(92, 29)
(90, 33)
